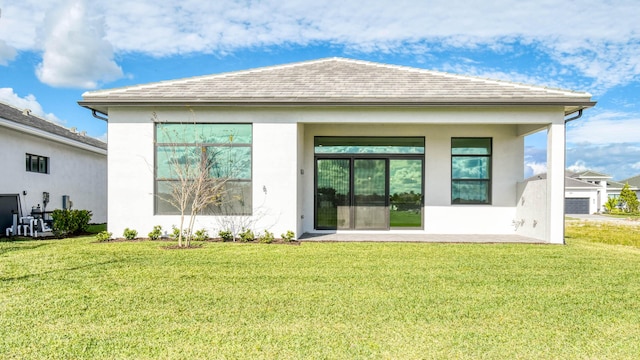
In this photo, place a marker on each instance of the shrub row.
(245, 235)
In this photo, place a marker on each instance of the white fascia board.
(49, 136)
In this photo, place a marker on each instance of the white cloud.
(8, 96)
(618, 160)
(600, 40)
(579, 166)
(605, 128)
(75, 52)
(7, 53)
(534, 168)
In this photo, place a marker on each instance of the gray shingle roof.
(569, 182)
(632, 181)
(578, 184)
(21, 117)
(591, 174)
(336, 81)
(616, 185)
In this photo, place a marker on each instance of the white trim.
(47, 135)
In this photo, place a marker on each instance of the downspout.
(565, 120)
(95, 115)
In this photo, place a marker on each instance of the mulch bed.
(199, 244)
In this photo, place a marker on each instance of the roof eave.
(102, 106)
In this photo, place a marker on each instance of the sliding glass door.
(370, 194)
(405, 193)
(333, 194)
(368, 183)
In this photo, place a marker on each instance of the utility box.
(66, 202)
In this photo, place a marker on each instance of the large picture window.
(471, 170)
(223, 150)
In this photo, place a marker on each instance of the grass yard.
(76, 299)
(604, 232)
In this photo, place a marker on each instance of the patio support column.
(555, 182)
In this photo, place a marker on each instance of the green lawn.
(75, 299)
(604, 232)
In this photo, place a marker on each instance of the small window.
(471, 170)
(36, 163)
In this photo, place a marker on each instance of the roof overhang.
(102, 106)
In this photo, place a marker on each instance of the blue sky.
(51, 51)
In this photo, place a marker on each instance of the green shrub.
(288, 236)
(225, 235)
(615, 211)
(246, 235)
(103, 236)
(201, 235)
(155, 233)
(266, 237)
(628, 200)
(175, 232)
(611, 205)
(70, 222)
(130, 234)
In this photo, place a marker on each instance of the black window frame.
(205, 145)
(352, 156)
(40, 166)
(488, 181)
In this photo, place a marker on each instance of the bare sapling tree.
(193, 182)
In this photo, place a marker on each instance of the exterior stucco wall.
(283, 162)
(79, 173)
(440, 217)
(555, 181)
(275, 177)
(531, 209)
(131, 179)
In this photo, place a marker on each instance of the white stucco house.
(48, 166)
(587, 192)
(343, 146)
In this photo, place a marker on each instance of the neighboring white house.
(587, 192)
(41, 160)
(340, 145)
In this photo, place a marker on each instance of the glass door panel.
(370, 194)
(405, 193)
(332, 194)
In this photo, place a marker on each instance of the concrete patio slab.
(426, 238)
